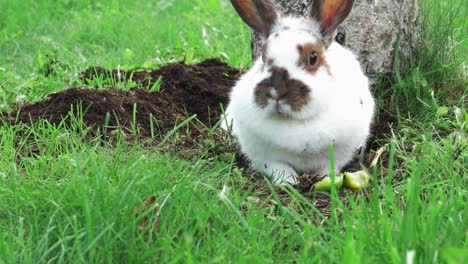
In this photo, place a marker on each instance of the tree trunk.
(373, 30)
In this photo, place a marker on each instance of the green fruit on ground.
(325, 184)
(356, 180)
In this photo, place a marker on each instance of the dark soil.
(186, 90)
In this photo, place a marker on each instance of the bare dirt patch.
(186, 90)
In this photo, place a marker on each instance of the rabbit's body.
(286, 114)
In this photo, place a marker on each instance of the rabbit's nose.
(274, 94)
(278, 94)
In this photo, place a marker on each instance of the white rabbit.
(305, 93)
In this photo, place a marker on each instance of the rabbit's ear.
(330, 14)
(260, 15)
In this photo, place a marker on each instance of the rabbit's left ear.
(260, 15)
(330, 14)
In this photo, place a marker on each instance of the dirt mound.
(185, 90)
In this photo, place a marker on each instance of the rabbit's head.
(294, 49)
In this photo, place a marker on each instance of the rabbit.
(305, 93)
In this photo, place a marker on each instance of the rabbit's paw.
(279, 172)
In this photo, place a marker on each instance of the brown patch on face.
(305, 53)
(298, 94)
(265, 58)
(279, 86)
(264, 52)
(262, 92)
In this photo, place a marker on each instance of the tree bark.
(372, 31)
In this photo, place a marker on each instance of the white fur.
(282, 146)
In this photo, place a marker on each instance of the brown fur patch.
(262, 92)
(304, 53)
(264, 51)
(294, 92)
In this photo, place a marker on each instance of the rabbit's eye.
(313, 58)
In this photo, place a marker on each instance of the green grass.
(67, 198)
(81, 34)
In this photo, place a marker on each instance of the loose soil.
(185, 90)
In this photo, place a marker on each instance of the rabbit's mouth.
(280, 106)
(278, 109)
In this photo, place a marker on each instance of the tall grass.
(436, 71)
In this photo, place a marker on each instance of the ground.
(174, 93)
(109, 152)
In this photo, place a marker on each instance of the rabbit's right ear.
(330, 14)
(260, 15)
